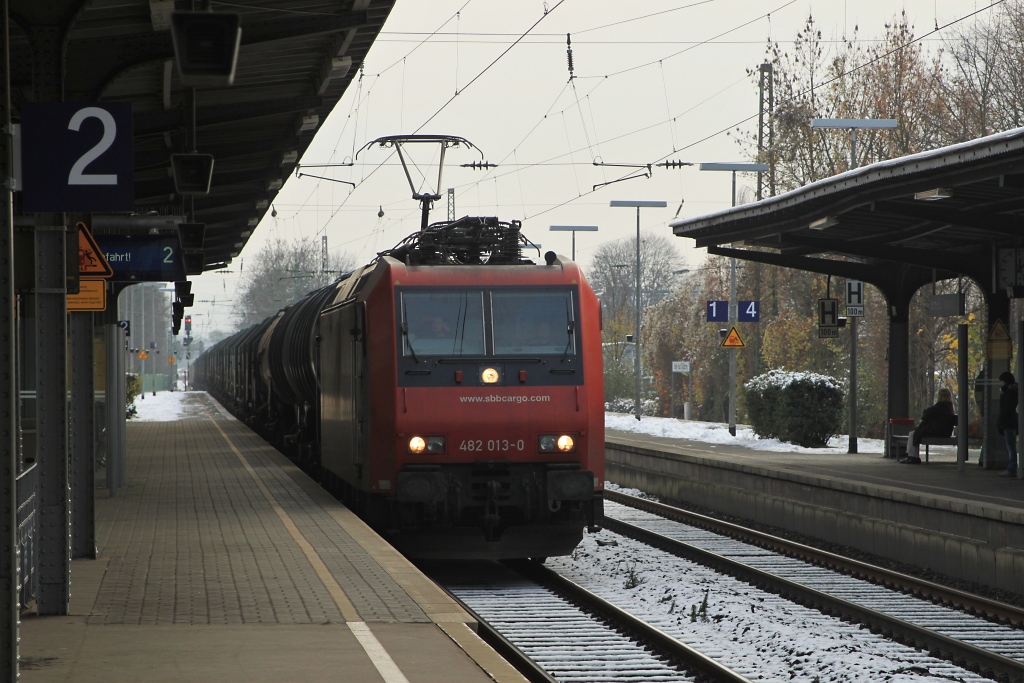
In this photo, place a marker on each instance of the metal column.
(83, 438)
(51, 357)
(8, 390)
(963, 389)
(115, 398)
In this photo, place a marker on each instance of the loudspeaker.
(206, 47)
(192, 173)
(195, 261)
(192, 235)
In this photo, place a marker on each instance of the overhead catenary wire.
(450, 100)
(519, 166)
(752, 116)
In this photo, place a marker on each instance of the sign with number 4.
(749, 311)
(77, 157)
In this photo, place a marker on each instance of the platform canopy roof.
(943, 213)
(296, 59)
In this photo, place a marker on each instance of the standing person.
(1007, 424)
(937, 420)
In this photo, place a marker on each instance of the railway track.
(906, 609)
(555, 630)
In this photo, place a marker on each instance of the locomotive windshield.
(443, 323)
(498, 321)
(533, 322)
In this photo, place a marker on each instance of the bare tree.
(613, 274)
(281, 274)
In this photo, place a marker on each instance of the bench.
(934, 441)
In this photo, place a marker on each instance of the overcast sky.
(654, 80)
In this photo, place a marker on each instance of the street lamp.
(734, 168)
(637, 204)
(574, 229)
(852, 125)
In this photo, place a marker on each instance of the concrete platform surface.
(937, 479)
(220, 561)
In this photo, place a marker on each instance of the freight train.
(450, 392)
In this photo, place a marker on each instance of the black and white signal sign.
(854, 299)
(77, 156)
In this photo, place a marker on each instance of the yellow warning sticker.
(733, 341)
(1000, 346)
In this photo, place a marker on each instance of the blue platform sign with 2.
(77, 157)
(749, 311)
(143, 258)
(718, 311)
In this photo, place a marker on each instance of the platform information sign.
(77, 157)
(143, 258)
(749, 312)
(718, 311)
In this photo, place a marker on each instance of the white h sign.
(854, 299)
(828, 318)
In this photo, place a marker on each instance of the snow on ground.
(749, 630)
(165, 406)
(718, 433)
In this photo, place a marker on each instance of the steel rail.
(938, 645)
(518, 659)
(972, 604)
(638, 628)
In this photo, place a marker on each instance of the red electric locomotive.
(462, 406)
(451, 391)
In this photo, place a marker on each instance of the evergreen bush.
(804, 408)
(132, 388)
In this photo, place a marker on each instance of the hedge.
(804, 408)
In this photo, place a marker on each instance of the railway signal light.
(188, 325)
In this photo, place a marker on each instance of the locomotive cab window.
(540, 322)
(442, 323)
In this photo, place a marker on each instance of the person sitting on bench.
(938, 420)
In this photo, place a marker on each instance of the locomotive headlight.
(489, 376)
(433, 445)
(550, 443)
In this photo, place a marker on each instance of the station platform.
(963, 525)
(220, 561)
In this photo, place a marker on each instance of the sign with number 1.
(718, 311)
(77, 156)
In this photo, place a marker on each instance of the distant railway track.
(931, 617)
(553, 629)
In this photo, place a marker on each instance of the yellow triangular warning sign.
(91, 261)
(999, 346)
(733, 341)
(143, 355)
(999, 332)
